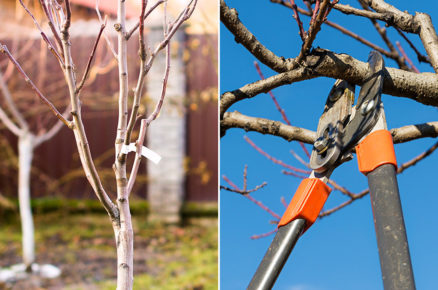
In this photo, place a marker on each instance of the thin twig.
(285, 172)
(340, 188)
(297, 157)
(417, 159)
(105, 35)
(407, 57)
(297, 18)
(52, 26)
(146, 122)
(344, 204)
(314, 28)
(382, 32)
(283, 201)
(244, 191)
(50, 46)
(182, 17)
(421, 57)
(158, 3)
(90, 59)
(255, 237)
(276, 161)
(259, 203)
(278, 107)
(245, 177)
(342, 29)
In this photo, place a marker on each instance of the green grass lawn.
(82, 245)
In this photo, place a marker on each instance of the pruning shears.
(342, 129)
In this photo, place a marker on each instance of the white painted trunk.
(125, 249)
(25, 154)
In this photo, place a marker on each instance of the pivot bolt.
(366, 107)
(321, 145)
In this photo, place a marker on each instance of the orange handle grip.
(375, 150)
(307, 202)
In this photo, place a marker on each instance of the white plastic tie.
(145, 152)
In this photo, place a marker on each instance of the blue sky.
(340, 251)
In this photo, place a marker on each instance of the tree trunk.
(125, 247)
(25, 154)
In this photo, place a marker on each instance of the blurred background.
(174, 204)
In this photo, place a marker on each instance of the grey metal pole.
(392, 241)
(276, 256)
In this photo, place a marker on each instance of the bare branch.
(279, 108)
(285, 172)
(417, 159)
(52, 25)
(244, 192)
(50, 46)
(262, 86)
(276, 161)
(105, 35)
(259, 203)
(173, 27)
(344, 204)
(420, 57)
(265, 126)
(341, 29)
(429, 38)
(290, 133)
(79, 130)
(297, 18)
(90, 59)
(158, 3)
(412, 132)
(314, 28)
(146, 122)
(422, 88)
(255, 237)
(402, 51)
(230, 19)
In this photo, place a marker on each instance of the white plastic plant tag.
(145, 152)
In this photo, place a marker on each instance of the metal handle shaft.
(392, 242)
(276, 256)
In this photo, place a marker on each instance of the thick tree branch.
(265, 126)
(262, 86)
(78, 127)
(422, 88)
(290, 133)
(429, 38)
(412, 132)
(229, 17)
